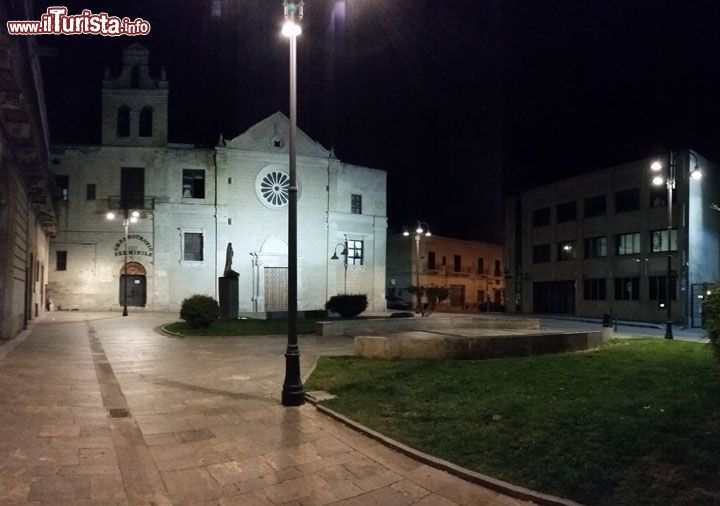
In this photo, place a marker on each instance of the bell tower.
(134, 105)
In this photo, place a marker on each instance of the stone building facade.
(192, 202)
(27, 215)
(473, 271)
(598, 243)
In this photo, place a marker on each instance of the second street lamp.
(422, 229)
(668, 179)
(128, 217)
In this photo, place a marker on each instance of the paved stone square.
(100, 409)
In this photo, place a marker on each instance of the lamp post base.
(125, 312)
(293, 393)
(668, 330)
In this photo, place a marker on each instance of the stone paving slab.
(204, 425)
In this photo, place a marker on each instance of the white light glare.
(110, 215)
(135, 214)
(291, 29)
(428, 234)
(656, 166)
(419, 230)
(658, 180)
(406, 233)
(133, 220)
(696, 174)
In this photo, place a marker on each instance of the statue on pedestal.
(228, 272)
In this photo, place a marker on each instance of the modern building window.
(90, 192)
(566, 250)
(123, 121)
(627, 288)
(146, 122)
(658, 287)
(595, 247)
(498, 268)
(457, 263)
(431, 261)
(355, 253)
(356, 204)
(627, 244)
(659, 240)
(595, 289)
(541, 253)
(61, 260)
(566, 212)
(193, 246)
(481, 265)
(63, 187)
(541, 217)
(595, 206)
(627, 200)
(193, 184)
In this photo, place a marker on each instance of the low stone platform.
(475, 343)
(383, 326)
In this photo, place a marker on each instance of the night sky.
(459, 101)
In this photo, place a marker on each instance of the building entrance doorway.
(276, 288)
(133, 282)
(457, 295)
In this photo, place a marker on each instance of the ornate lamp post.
(344, 252)
(293, 393)
(422, 229)
(128, 217)
(668, 179)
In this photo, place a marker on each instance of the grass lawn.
(242, 328)
(636, 422)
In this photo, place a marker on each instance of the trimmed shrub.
(711, 309)
(432, 294)
(347, 306)
(199, 311)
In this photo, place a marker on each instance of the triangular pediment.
(272, 135)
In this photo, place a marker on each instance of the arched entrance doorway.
(133, 279)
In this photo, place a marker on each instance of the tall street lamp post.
(668, 179)
(292, 392)
(422, 229)
(128, 217)
(344, 252)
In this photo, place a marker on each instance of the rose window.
(272, 187)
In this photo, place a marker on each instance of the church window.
(193, 246)
(123, 121)
(356, 204)
(193, 184)
(274, 188)
(355, 252)
(146, 121)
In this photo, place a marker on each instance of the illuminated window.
(659, 240)
(566, 250)
(355, 252)
(627, 244)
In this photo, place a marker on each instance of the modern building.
(598, 243)
(27, 215)
(473, 272)
(191, 203)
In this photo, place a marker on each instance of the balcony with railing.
(118, 203)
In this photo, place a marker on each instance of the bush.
(433, 295)
(347, 306)
(199, 311)
(711, 308)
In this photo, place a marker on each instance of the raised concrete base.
(474, 344)
(383, 326)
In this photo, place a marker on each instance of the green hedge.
(347, 306)
(712, 317)
(199, 311)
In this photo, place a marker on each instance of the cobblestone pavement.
(100, 409)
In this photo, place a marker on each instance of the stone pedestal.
(229, 298)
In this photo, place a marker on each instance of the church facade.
(183, 205)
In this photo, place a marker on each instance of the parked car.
(395, 302)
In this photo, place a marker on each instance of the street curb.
(500, 486)
(174, 334)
